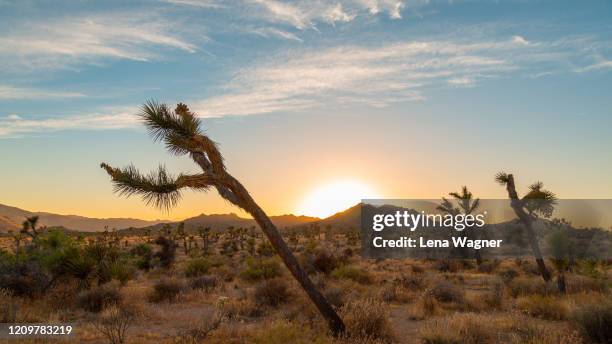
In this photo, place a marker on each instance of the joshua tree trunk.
(525, 219)
(249, 205)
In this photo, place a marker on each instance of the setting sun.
(337, 196)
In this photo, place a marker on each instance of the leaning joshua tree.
(180, 130)
(536, 201)
(467, 205)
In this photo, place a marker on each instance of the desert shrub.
(114, 323)
(144, 256)
(524, 286)
(235, 309)
(258, 269)
(447, 265)
(198, 331)
(367, 319)
(595, 321)
(166, 290)
(324, 261)
(197, 267)
(141, 250)
(23, 278)
(335, 296)
(417, 269)
(446, 291)
(122, 272)
(272, 292)
(488, 266)
(97, 299)
(167, 253)
(352, 273)
(265, 249)
(206, 283)
(410, 282)
(545, 307)
(508, 274)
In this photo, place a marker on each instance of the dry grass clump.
(367, 319)
(494, 298)
(97, 299)
(272, 292)
(236, 309)
(458, 328)
(9, 306)
(166, 290)
(282, 332)
(448, 265)
(410, 282)
(544, 307)
(352, 273)
(579, 283)
(595, 321)
(472, 328)
(525, 286)
(205, 283)
(446, 291)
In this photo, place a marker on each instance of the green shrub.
(258, 269)
(197, 267)
(352, 273)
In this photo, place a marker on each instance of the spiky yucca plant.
(537, 202)
(181, 132)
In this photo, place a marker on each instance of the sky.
(411, 99)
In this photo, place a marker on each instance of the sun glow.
(334, 197)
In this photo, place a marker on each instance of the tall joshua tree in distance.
(536, 201)
(467, 205)
(180, 130)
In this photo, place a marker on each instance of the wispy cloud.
(377, 76)
(384, 74)
(197, 3)
(303, 14)
(13, 93)
(274, 32)
(64, 42)
(15, 125)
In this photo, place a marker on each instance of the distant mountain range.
(11, 219)
(591, 214)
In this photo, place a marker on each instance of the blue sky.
(413, 97)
